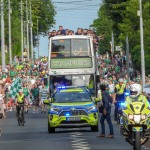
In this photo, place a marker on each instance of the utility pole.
(2, 36)
(27, 21)
(9, 28)
(38, 38)
(22, 33)
(112, 39)
(112, 45)
(127, 55)
(31, 34)
(142, 45)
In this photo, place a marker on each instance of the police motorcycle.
(135, 125)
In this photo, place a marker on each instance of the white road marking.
(78, 142)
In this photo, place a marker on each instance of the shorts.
(35, 102)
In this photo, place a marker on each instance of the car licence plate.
(73, 119)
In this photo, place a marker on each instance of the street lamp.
(2, 36)
(142, 45)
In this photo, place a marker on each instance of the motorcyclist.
(136, 94)
(120, 88)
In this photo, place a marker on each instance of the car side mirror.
(47, 102)
(96, 99)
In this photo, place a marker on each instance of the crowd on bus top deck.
(80, 31)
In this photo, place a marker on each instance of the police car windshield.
(67, 97)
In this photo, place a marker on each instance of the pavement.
(34, 136)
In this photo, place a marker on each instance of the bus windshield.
(70, 48)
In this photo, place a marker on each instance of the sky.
(71, 14)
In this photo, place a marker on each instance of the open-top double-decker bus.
(72, 62)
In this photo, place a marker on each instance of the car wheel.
(50, 129)
(94, 128)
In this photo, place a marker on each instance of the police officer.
(120, 88)
(20, 98)
(136, 94)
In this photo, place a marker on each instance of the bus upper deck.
(71, 55)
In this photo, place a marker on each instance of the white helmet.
(121, 80)
(135, 90)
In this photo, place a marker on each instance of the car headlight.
(137, 118)
(55, 109)
(91, 108)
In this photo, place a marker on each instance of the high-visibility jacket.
(120, 89)
(91, 84)
(20, 99)
(140, 98)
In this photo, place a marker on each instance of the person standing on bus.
(91, 84)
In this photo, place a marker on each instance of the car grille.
(73, 122)
(75, 112)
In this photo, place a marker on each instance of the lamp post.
(142, 45)
(22, 33)
(9, 26)
(31, 33)
(2, 36)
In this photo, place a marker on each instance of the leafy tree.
(43, 10)
(123, 20)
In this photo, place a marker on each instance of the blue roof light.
(67, 114)
(61, 87)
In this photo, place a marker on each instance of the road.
(34, 136)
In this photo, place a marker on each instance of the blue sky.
(71, 14)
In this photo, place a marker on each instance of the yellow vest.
(91, 84)
(141, 98)
(20, 99)
(120, 90)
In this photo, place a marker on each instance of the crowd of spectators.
(32, 74)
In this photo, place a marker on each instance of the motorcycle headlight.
(137, 118)
(143, 117)
(91, 108)
(131, 117)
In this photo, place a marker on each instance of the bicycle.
(20, 116)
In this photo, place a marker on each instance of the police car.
(72, 107)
